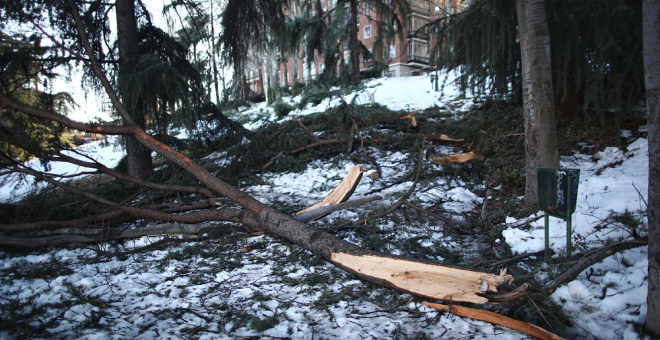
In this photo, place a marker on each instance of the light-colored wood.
(433, 281)
(484, 315)
(341, 192)
(442, 137)
(456, 158)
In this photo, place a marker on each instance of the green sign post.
(558, 189)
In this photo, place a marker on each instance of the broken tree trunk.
(255, 214)
(484, 315)
(431, 281)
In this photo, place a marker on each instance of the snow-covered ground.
(211, 289)
(108, 152)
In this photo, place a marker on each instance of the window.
(367, 31)
(392, 51)
(367, 8)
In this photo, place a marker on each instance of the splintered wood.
(497, 319)
(456, 158)
(433, 281)
(341, 192)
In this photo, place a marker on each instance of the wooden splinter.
(341, 193)
(484, 315)
(433, 281)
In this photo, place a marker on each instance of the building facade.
(407, 54)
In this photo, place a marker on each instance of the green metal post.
(547, 234)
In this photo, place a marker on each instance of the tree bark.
(651, 20)
(137, 156)
(353, 40)
(538, 102)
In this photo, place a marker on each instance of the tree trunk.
(651, 18)
(353, 41)
(137, 156)
(538, 102)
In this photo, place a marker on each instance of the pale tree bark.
(651, 19)
(538, 103)
(137, 156)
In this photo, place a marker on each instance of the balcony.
(418, 59)
(422, 34)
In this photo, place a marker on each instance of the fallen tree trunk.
(256, 215)
(484, 315)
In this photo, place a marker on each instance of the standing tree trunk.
(353, 41)
(138, 157)
(651, 18)
(538, 102)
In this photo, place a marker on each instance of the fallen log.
(497, 319)
(340, 193)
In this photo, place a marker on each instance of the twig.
(445, 220)
(350, 108)
(273, 136)
(371, 160)
(640, 196)
(306, 129)
(516, 258)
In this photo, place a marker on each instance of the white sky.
(91, 104)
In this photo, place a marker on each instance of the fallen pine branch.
(596, 256)
(89, 235)
(305, 128)
(112, 217)
(497, 319)
(321, 143)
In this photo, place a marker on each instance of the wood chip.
(456, 158)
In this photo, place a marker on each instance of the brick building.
(407, 57)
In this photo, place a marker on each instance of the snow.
(108, 152)
(213, 290)
(403, 93)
